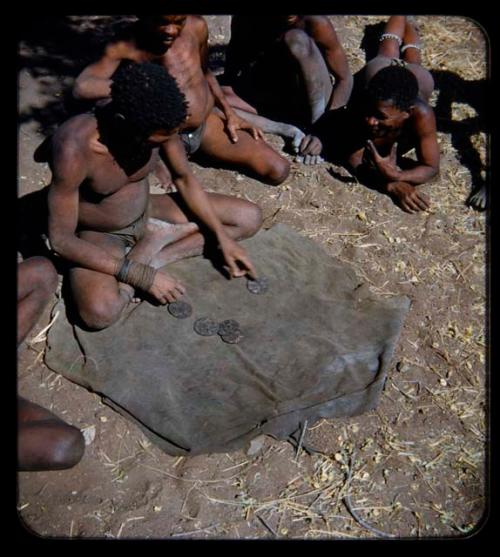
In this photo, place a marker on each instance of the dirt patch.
(414, 467)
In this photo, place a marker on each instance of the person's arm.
(233, 121)
(197, 200)
(69, 171)
(324, 35)
(94, 82)
(427, 149)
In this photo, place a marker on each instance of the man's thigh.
(247, 151)
(172, 208)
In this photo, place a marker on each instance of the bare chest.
(107, 176)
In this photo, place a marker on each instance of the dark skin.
(310, 51)
(180, 44)
(44, 442)
(90, 193)
(385, 125)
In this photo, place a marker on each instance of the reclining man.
(44, 441)
(100, 206)
(387, 116)
(179, 43)
(291, 69)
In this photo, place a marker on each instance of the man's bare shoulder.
(423, 117)
(423, 109)
(317, 23)
(121, 50)
(72, 138)
(197, 24)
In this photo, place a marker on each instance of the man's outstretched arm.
(197, 200)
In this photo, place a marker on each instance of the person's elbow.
(78, 90)
(59, 243)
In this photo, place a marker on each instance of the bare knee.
(101, 313)
(298, 42)
(42, 275)
(277, 171)
(251, 221)
(69, 448)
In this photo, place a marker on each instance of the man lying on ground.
(387, 116)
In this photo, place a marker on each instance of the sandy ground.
(415, 466)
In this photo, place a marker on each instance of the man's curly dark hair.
(147, 97)
(396, 84)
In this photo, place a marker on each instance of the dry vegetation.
(415, 467)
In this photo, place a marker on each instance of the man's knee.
(298, 42)
(100, 314)
(69, 448)
(252, 220)
(277, 171)
(43, 275)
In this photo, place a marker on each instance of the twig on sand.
(301, 439)
(179, 534)
(347, 502)
(266, 525)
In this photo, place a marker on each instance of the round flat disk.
(206, 327)
(232, 338)
(258, 286)
(229, 326)
(181, 310)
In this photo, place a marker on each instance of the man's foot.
(164, 177)
(478, 199)
(309, 150)
(160, 233)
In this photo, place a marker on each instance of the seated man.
(291, 69)
(100, 206)
(179, 43)
(388, 115)
(44, 441)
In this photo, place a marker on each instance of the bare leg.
(294, 134)
(313, 70)
(389, 49)
(99, 297)
(45, 442)
(240, 218)
(248, 154)
(37, 281)
(412, 55)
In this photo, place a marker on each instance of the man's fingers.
(304, 144)
(394, 150)
(422, 201)
(250, 269)
(371, 148)
(232, 133)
